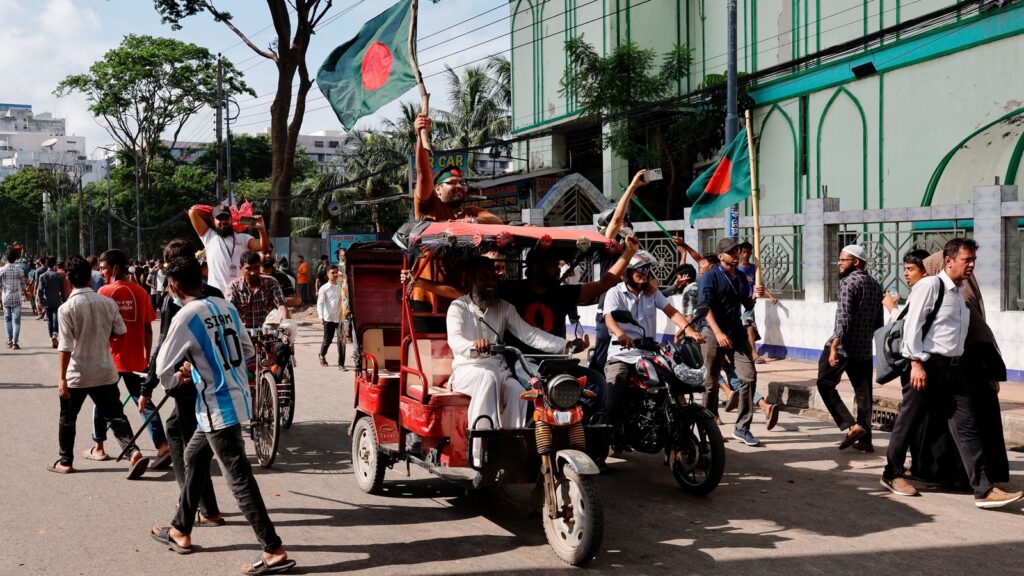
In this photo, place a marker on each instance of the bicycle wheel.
(286, 396)
(265, 422)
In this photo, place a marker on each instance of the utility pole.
(138, 213)
(110, 223)
(227, 142)
(732, 215)
(220, 136)
(81, 209)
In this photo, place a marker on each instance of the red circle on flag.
(376, 66)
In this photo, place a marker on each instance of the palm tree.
(477, 117)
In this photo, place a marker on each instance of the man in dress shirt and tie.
(936, 377)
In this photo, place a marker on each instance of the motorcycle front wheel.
(575, 535)
(698, 454)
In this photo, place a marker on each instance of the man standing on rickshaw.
(438, 198)
(474, 322)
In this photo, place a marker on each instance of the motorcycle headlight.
(563, 392)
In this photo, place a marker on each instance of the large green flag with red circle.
(724, 183)
(370, 70)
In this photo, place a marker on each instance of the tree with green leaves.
(150, 86)
(629, 88)
(288, 53)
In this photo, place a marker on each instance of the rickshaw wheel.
(366, 461)
(575, 535)
(286, 397)
(265, 422)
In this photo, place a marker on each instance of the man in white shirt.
(87, 323)
(222, 245)
(934, 345)
(329, 310)
(474, 321)
(634, 294)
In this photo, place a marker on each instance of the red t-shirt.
(129, 350)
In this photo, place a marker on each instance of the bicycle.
(272, 382)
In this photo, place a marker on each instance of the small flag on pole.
(370, 70)
(723, 184)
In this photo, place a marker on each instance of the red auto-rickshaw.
(406, 412)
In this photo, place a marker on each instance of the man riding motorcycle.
(636, 295)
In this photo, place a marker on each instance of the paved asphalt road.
(794, 506)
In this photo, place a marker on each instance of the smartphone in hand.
(652, 175)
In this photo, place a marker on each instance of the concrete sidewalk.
(793, 382)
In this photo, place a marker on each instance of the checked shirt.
(253, 306)
(858, 315)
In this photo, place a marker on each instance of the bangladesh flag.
(370, 70)
(725, 183)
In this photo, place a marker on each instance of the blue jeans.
(51, 320)
(12, 318)
(595, 382)
(132, 382)
(601, 341)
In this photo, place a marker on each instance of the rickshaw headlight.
(563, 392)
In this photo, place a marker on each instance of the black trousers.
(108, 404)
(229, 446)
(181, 425)
(859, 372)
(601, 341)
(332, 329)
(946, 393)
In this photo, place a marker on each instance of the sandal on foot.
(90, 455)
(261, 567)
(138, 468)
(163, 536)
(205, 522)
(53, 468)
(162, 462)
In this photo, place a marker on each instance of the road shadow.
(24, 386)
(314, 447)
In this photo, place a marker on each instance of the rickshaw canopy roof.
(519, 233)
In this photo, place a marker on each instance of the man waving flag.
(372, 69)
(723, 184)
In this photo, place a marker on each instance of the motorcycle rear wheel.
(698, 456)
(575, 536)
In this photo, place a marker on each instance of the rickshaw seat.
(436, 356)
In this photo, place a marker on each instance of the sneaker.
(866, 447)
(53, 341)
(997, 498)
(899, 486)
(732, 401)
(10, 343)
(15, 346)
(771, 416)
(744, 435)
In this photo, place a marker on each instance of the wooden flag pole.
(754, 192)
(424, 96)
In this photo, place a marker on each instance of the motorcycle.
(661, 415)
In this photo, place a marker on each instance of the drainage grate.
(883, 418)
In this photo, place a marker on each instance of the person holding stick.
(209, 332)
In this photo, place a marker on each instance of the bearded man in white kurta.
(474, 321)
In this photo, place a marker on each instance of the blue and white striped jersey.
(209, 334)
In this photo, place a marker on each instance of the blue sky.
(45, 40)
